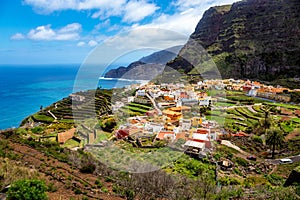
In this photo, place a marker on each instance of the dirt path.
(251, 109)
(154, 104)
(55, 118)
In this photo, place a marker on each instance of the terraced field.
(95, 104)
(134, 109)
(245, 117)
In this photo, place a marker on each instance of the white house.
(185, 124)
(141, 93)
(194, 146)
(117, 105)
(205, 101)
(153, 127)
(130, 99)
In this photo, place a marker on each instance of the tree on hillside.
(27, 189)
(274, 138)
(264, 123)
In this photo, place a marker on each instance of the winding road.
(154, 104)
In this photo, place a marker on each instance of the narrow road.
(55, 118)
(154, 104)
(229, 144)
(276, 161)
(251, 109)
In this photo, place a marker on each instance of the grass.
(102, 135)
(297, 120)
(288, 106)
(126, 157)
(42, 118)
(224, 104)
(285, 169)
(140, 105)
(135, 109)
(71, 144)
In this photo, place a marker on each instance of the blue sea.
(23, 89)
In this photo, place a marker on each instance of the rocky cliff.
(147, 67)
(256, 39)
(294, 177)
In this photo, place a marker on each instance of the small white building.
(130, 99)
(185, 124)
(153, 127)
(141, 93)
(117, 105)
(194, 146)
(206, 101)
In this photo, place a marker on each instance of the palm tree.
(266, 122)
(274, 138)
(261, 126)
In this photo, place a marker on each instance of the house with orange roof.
(165, 135)
(182, 135)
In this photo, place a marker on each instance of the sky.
(66, 31)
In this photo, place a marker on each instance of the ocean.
(23, 89)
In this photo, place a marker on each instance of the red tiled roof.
(180, 135)
(161, 135)
(122, 133)
(202, 131)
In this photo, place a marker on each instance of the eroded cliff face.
(258, 39)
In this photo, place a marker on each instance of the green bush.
(107, 123)
(27, 190)
(98, 183)
(275, 179)
(241, 161)
(229, 181)
(297, 189)
(257, 139)
(37, 130)
(88, 168)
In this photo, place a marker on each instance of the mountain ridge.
(256, 39)
(154, 61)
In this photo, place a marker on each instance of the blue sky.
(65, 31)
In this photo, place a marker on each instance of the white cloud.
(81, 44)
(74, 27)
(138, 10)
(41, 33)
(68, 32)
(188, 14)
(140, 38)
(204, 4)
(92, 43)
(131, 10)
(17, 36)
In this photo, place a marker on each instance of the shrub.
(88, 168)
(297, 189)
(51, 188)
(274, 179)
(27, 190)
(257, 139)
(107, 123)
(241, 161)
(229, 181)
(99, 183)
(37, 130)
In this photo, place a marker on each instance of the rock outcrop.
(256, 39)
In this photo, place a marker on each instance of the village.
(177, 116)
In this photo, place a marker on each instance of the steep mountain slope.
(257, 39)
(151, 64)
